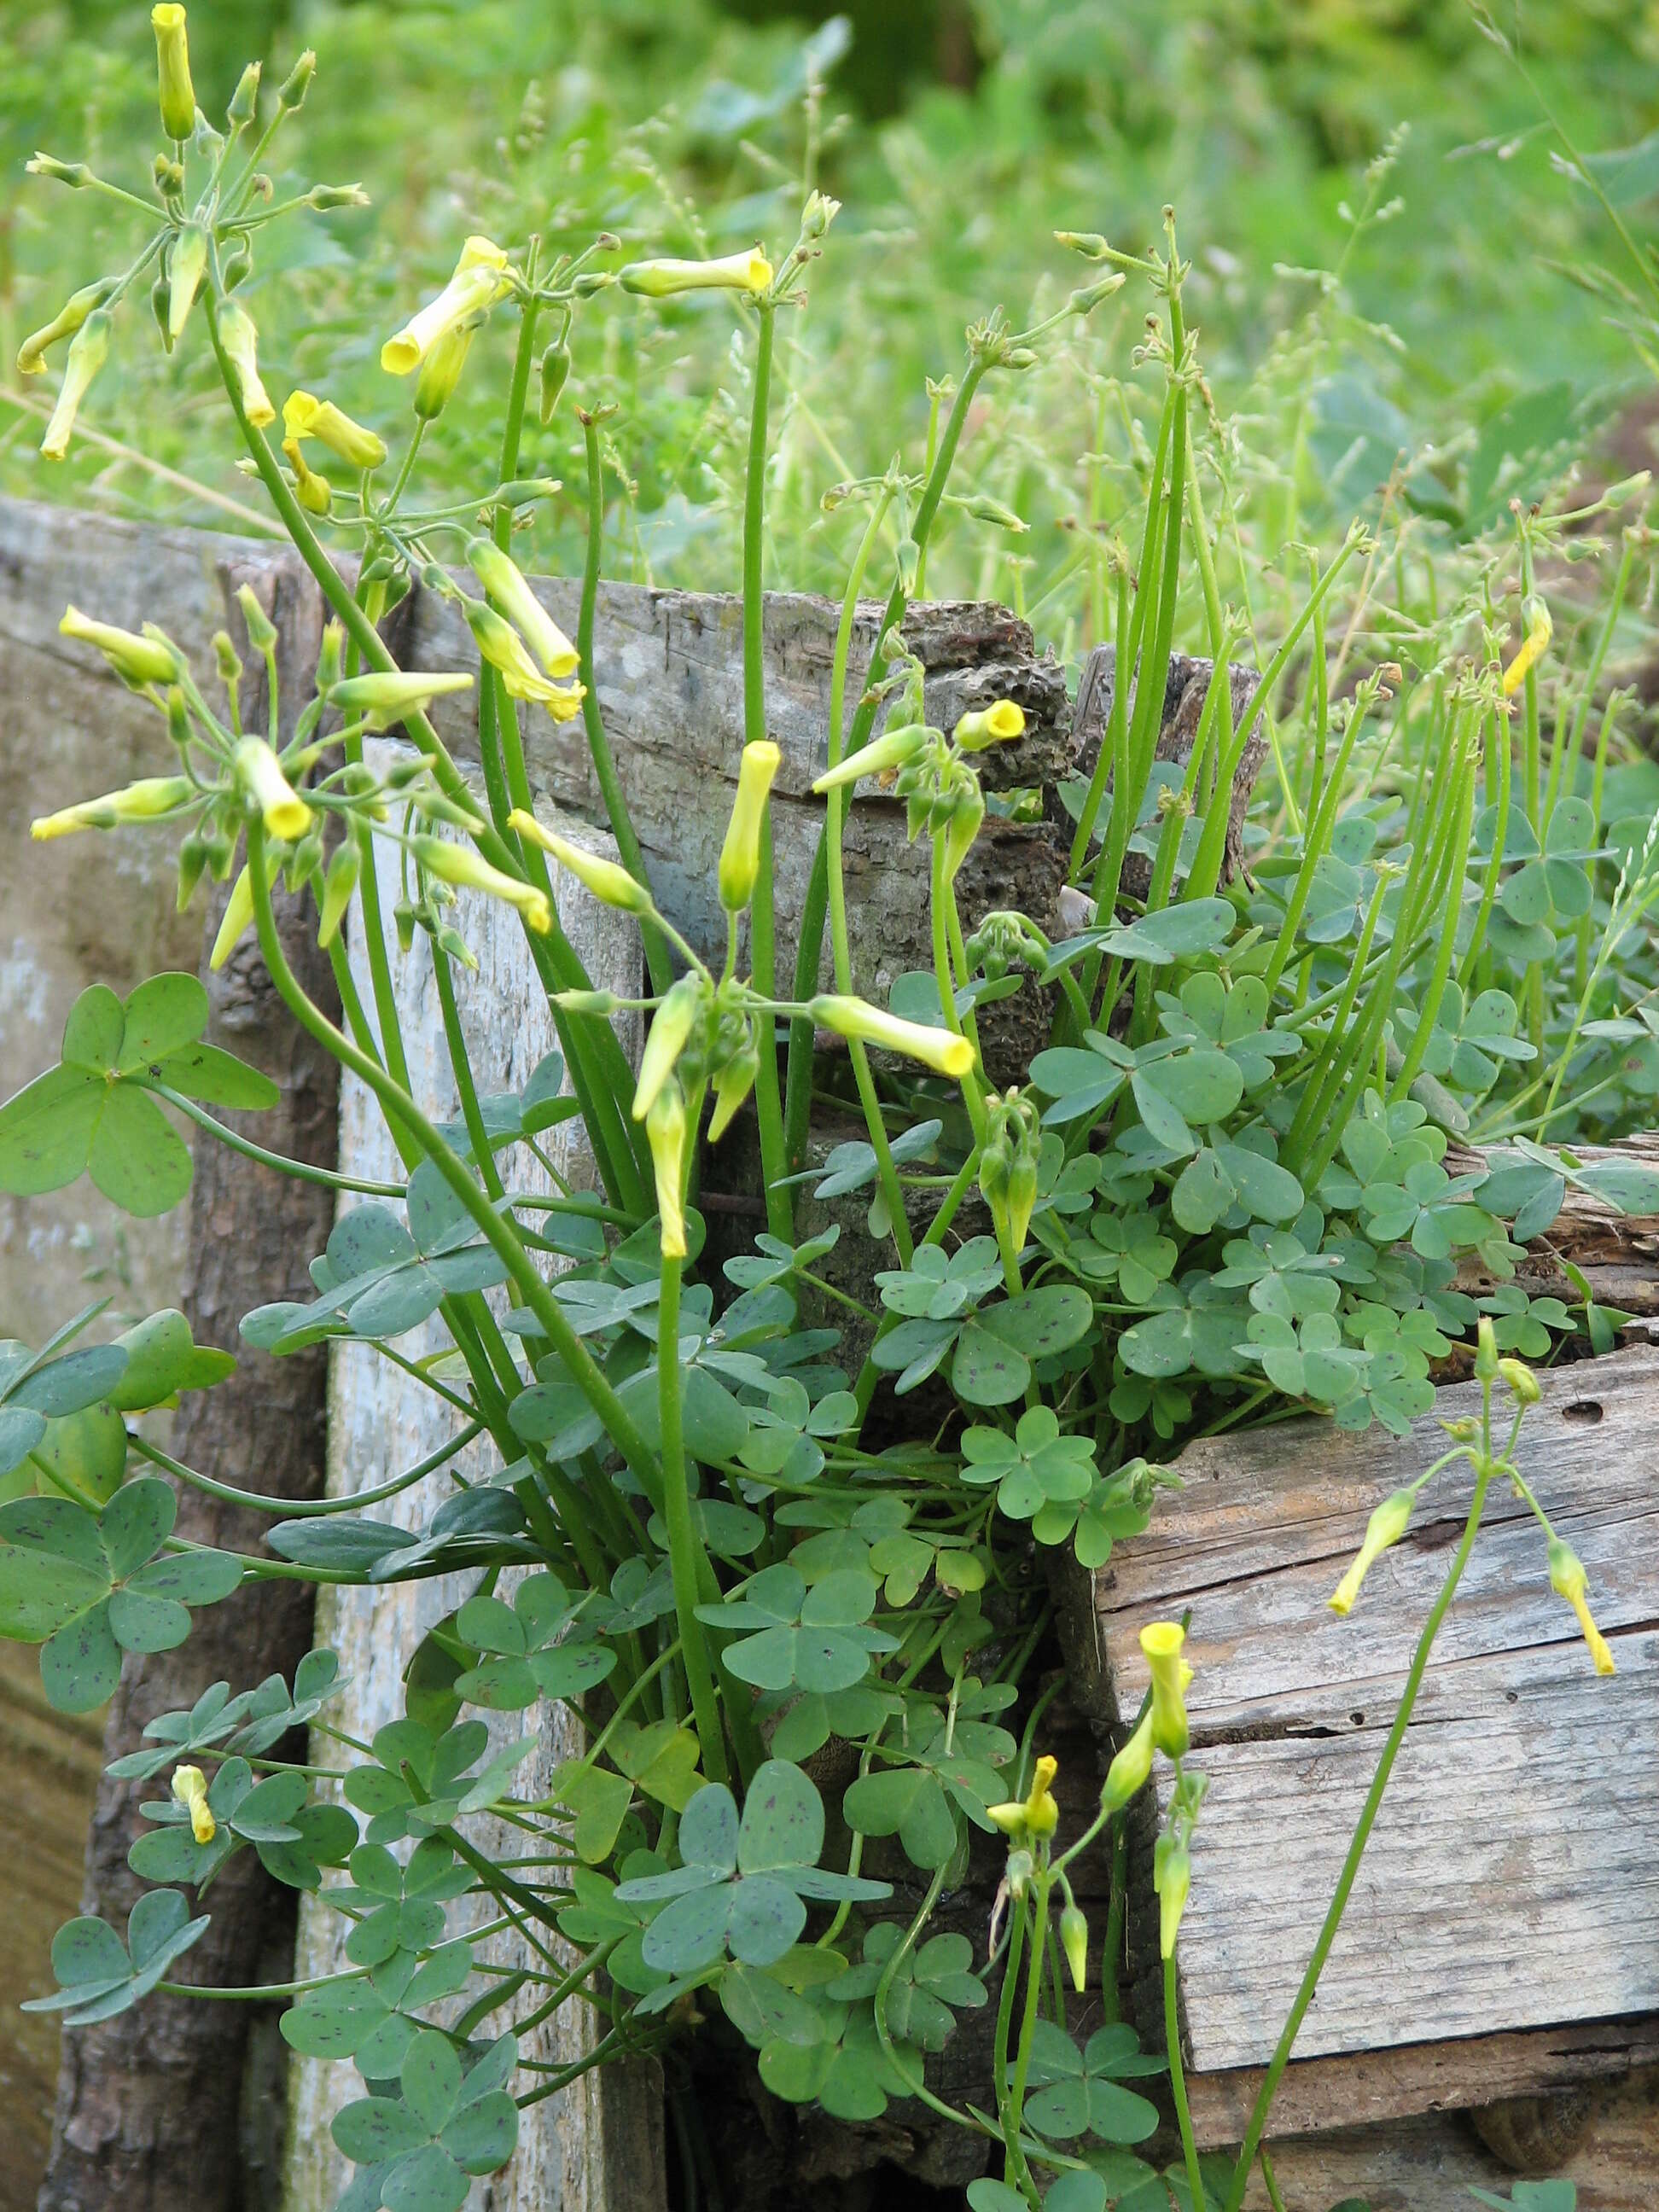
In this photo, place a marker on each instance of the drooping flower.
(138, 661)
(458, 864)
(88, 350)
(750, 272)
(604, 879)
(305, 415)
(151, 797)
(1569, 1580)
(506, 651)
(240, 340)
(1386, 1525)
(943, 1050)
(510, 593)
(32, 354)
(390, 695)
(478, 281)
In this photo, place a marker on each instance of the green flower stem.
(1017, 2170)
(300, 1170)
(1105, 759)
(598, 744)
(1484, 1472)
(296, 1508)
(824, 892)
(1270, 2179)
(937, 904)
(1322, 823)
(684, 1549)
(460, 1065)
(402, 1112)
(266, 1992)
(1178, 2084)
(869, 1375)
(1435, 990)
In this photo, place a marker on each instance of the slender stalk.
(1178, 2085)
(683, 1546)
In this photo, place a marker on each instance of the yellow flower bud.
(260, 773)
(178, 95)
(314, 492)
(441, 372)
(305, 415)
(1129, 1769)
(478, 281)
(32, 354)
(740, 853)
(339, 884)
(1485, 1351)
(604, 879)
(1534, 645)
(138, 661)
(1569, 1580)
(990, 725)
(511, 594)
(1172, 1878)
(188, 1781)
(238, 917)
(890, 750)
(185, 272)
(202, 1826)
(963, 827)
(1161, 1641)
(505, 650)
(737, 272)
(1074, 1942)
(732, 1084)
(143, 801)
(460, 864)
(943, 1050)
(88, 350)
(671, 1027)
(665, 1126)
(391, 695)
(1386, 1525)
(240, 340)
(1522, 1380)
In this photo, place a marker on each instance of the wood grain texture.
(1510, 1882)
(597, 2146)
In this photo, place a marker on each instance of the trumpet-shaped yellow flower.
(238, 918)
(441, 372)
(990, 725)
(740, 853)
(460, 864)
(1386, 1525)
(510, 593)
(890, 750)
(305, 415)
(671, 1029)
(1034, 1815)
(664, 1127)
(749, 272)
(260, 773)
(1535, 644)
(32, 354)
(138, 661)
(88, 350)
(151, 797)
(1161, 1643)
(177, 94)
(391, 695)
(479, 281)
(1569, 1580)
(240, 340)
(943, 1050)
(607, 882)
(506, 650)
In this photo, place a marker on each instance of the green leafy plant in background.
(1229, 1186)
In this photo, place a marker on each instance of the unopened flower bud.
(732, 1084)
(245, 100)
(1534, 645)
(1088, 297)
(671, 1029)
(1486, 1351)
(390, 695)
(943, 1050)
(608, 881)
(664, 1127)
(1020, 1868)
(339, 884)
(297, 83)
(1172, 1878)
(88, 350)
(151, 797)
(240, 340)
(1129, 1769)
(890, 750)
(441, 372)
(554, 373)
(740, 854)
(749, 272)
(177, 94)
(1074, 1942)
(72, 173)
(326, 198)
(138, 661)
(238, 918)
(1522, 1380)
(32, 354)
(460, 864)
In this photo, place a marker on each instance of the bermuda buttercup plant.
(1220, 1188)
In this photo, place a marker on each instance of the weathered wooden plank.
(596, 2148)
(1497, 1893)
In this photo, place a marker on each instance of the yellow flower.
(305, 415)
(506, 650)
(441, 372)
(991, 726)
(32, 354)
(1036, 1813)
(943, 1050)
(390, 695)
(890, 750)
(508, 589)
(259, 772)
(478, 281)
(240, 340)
(1386, 1525)
(740, 853)
(143, 801)
(188, 1781)
(607, 882)
(737, 272)
(1569, 1580)
(89, 349)
(1161, 1641)
(137, 661)
(1534, 647)
(239, 914)
(315, 493)
(671, 1027)
(202, 1826)
(1522, 1380)
(665, 1126)
(178, 96)
(459, 864)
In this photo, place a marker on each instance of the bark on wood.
(1617, 1253)
(148, 2103)
(1496, 1893)
(596, 2147)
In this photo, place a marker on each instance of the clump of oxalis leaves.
(1227, 1188)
